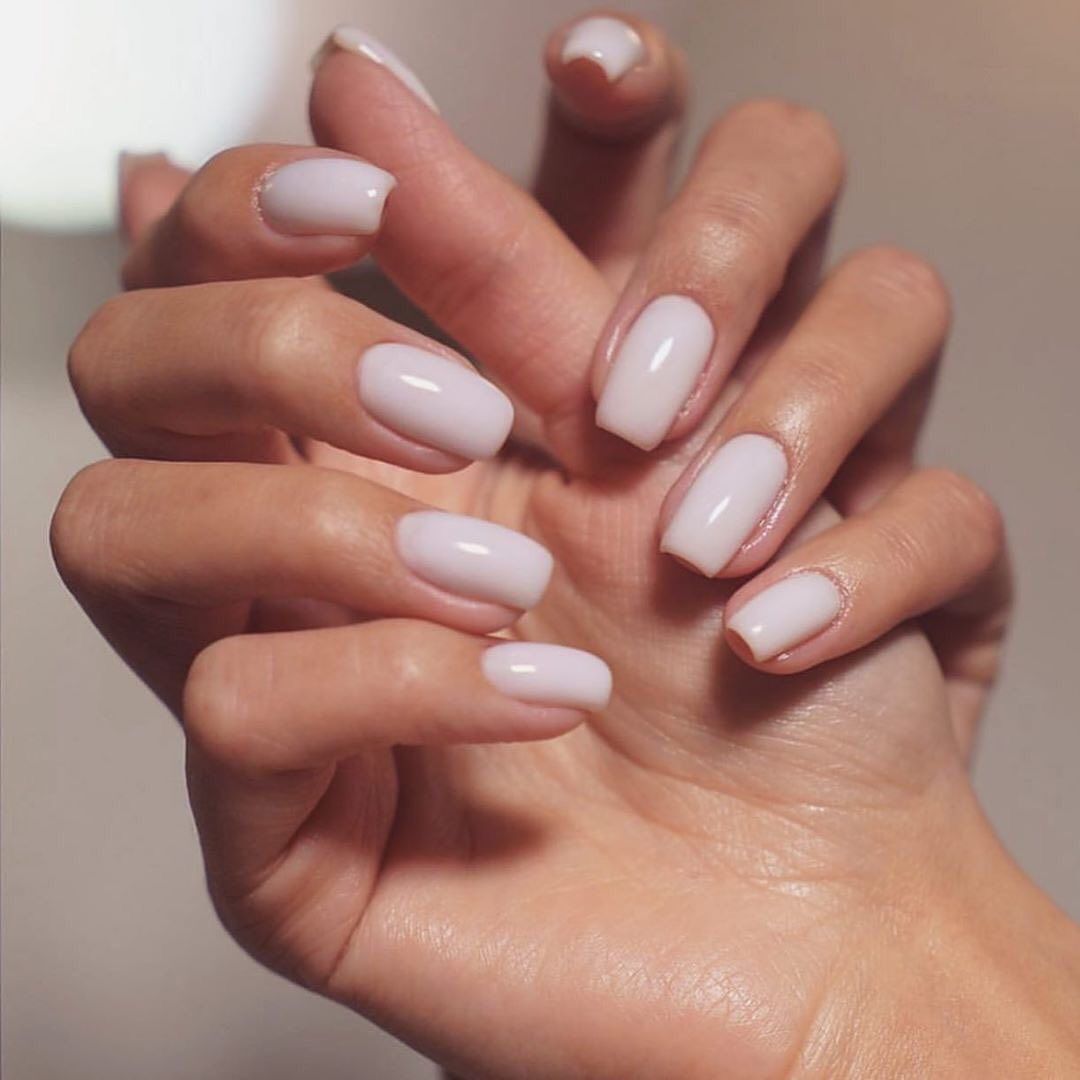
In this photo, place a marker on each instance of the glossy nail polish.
(434, 400)
(354, 40)
(474, 558)
(612, 44)
(325, 196)
(656, 367)
(786, 614)
(726, 502)
(550, 675)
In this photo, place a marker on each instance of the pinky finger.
(933, 539)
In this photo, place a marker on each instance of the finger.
(887, 453)
(135, 536)
(268, 718)
(968, 635)
(222, 370)
(148, 184)
(766, 172)
(384, 683)
(263, 211)
(618, 91)
(471, 249)
(931, 540)
(877, 323)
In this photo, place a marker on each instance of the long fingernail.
(474, 558)
(726, 502)
(325, 196)
(656, 367)
(787, 613)
(551, 675)
(610, 43)
(354, 40)
(434, 400)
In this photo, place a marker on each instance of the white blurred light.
(81, 80)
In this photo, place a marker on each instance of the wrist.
(978, 974)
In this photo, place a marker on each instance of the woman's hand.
(723, 872)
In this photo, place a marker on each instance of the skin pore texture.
(736, 868)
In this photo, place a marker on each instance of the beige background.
(963, 126)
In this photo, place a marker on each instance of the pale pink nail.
(474, 558)
(551, 675)
(325, 196)
(351, 39)
(786, 614)
(435, 401)
(655, 369)
(726, 502)
(613, 45)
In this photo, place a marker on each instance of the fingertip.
(147, 185)
(614, 75)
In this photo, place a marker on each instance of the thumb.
(147, 185)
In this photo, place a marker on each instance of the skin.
(726, 873)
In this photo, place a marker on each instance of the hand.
(704, 879)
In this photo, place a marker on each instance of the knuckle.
(727, 248)
(339, 536)
(86, 366)
(195, 222)
(827, 384)
(217, 710)
(806, 131)
(280, 316)
(898, 276)
(80, 528)
(978, 514)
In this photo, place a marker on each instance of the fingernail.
(726, 502)
(474, 558)
(436, 401)
(551, 675)
(354, 40)
(612, 44)
(656, 367)
(785, 614)
(325, 196)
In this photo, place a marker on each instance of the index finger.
(469, 246)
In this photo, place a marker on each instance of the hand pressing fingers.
(239, 369)
(199, 543)
(618, 91)
(252, 212)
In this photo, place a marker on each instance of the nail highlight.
(551, 675)
(474, 558)
(434, 400)
(726, 502)
(655, 369)
(325, 196)
(610, 43)
(354, 40)
(787, 613)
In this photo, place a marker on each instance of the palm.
(506, 884)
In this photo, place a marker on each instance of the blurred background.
(962, 122)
